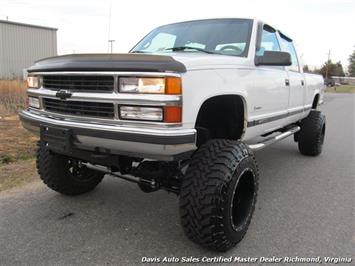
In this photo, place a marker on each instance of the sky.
(85, 26)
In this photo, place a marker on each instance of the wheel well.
(315, 101)
(220, 117)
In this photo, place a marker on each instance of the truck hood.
(109, 62)
(206, 61)
(173, 62)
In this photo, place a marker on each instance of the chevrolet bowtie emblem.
(63, 94)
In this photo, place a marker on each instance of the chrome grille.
(79, 83)
(80, 108)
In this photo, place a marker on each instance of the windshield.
(220, 36)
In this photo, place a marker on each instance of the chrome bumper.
(161, 144)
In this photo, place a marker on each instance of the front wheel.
(64, 174)
(218, 194)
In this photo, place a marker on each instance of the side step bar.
(268, 141)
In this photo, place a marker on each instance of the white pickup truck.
(182, 111)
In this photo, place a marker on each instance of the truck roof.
(231, 18)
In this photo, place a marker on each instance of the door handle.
(287, 82)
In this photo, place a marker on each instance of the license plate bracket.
(56, 139)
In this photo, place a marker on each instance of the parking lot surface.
(305, 208)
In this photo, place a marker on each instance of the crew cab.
(184, 111)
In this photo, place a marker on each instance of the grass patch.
(6, 159)
(12, 96)
(17, 153)
(16, 143)
(341, 89)
(17, 174)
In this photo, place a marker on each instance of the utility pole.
(111, 45)
(327, 65)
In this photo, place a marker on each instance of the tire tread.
(203, 189)
(52, 171)
(309, 138)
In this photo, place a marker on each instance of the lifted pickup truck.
(182, 111)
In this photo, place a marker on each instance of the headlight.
(141, 113)
(33, 102)
(167, 85)
(32, 82)
(166, 114)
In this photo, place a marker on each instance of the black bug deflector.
(109, 62)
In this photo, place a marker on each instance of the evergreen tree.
(330, 69)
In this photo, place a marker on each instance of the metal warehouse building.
(21, 45)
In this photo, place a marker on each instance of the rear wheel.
(218, 194)
(311, 136)
(64, 174)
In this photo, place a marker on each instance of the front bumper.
(161, 144)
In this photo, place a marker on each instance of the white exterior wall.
(21, 45)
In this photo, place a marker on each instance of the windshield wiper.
(180, 48)
(138, 52)
(183, 48)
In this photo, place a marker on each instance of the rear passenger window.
(287, 46)
(269, 41)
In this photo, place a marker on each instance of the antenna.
(110, 47)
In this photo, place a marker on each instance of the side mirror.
(273, 58)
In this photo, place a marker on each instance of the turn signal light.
(173, 85)
(172, 114)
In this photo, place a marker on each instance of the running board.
(268, 141)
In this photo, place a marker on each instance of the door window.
(290, 48)
(269, 41)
